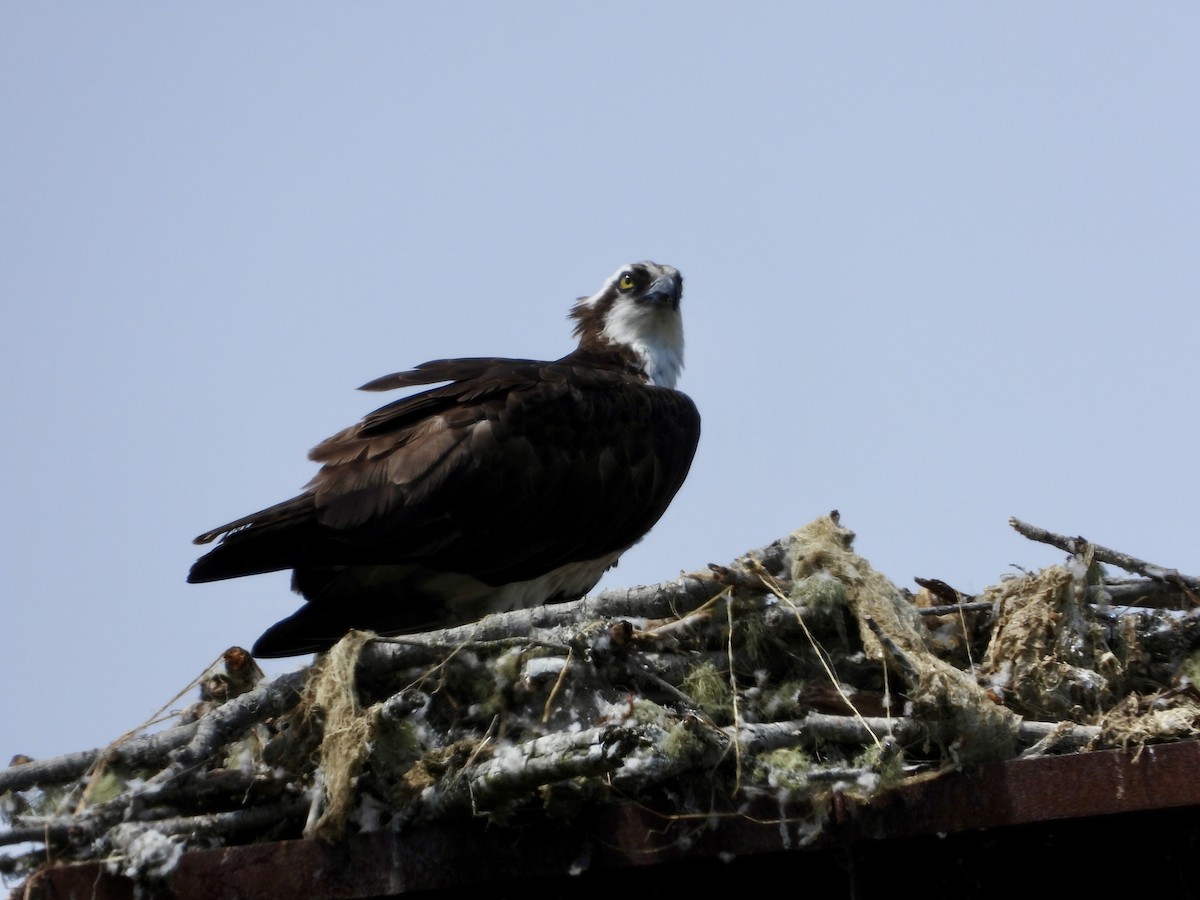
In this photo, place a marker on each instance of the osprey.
(513, 482)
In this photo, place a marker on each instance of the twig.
(188, 744)
(1145, 592)
(1048, 737)
(558, 683)
(223, 723)
(733, 691)
(821, 653)
(135, 753)
(540, 623)
(817, 728)
(661, 600)
(254, 818)
(971, 606)
(1104, 554)
(518, 770)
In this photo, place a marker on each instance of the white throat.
(655, 335)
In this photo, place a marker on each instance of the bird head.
(636, 313)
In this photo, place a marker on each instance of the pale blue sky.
(941, 268)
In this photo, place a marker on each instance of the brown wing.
(513, 468)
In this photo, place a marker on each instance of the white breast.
(569, 581)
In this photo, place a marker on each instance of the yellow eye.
(626, 282)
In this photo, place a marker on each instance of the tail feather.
(319, 624)
(271, 540)
(297, 509)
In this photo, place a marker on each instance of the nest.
(791, 676)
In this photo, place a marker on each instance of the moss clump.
(680, 742)
(820, 593)
(885, 759)
(1190, 668)
(710, 689)
(787, 769)
(396, 747)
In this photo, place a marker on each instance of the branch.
(1074, 545)
(58, 829)
(134, 753)
(517, 770)
(816, 728)
(187, 744)
(225, 722)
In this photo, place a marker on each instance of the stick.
(1104, 554)
(188, 743)
(226, 721)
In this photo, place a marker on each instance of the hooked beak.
(665, 290)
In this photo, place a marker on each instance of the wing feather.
(514, 469)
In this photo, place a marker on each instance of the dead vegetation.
(790, 676)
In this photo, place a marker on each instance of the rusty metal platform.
(1071, 822)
